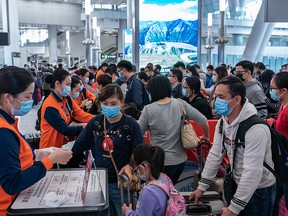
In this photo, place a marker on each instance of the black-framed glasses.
(241, 71)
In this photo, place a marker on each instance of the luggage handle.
(122, 178)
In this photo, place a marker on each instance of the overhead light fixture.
(209, 20)
(222, 5)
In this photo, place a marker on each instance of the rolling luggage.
(210, 204)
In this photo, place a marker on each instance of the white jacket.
(249, 172)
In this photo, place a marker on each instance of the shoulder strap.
(160, 185)
(244, 126)
(97, 124)
(182, 108)
(126, 128)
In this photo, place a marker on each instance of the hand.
(127, 170)
(125, 208)
(89, 104)
(60, 156)
(196, 195)
(227, 212)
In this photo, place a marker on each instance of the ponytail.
(154, 155)
(157, 161)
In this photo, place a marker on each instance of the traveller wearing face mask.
(18, 169)
(279, 92)
(192, 95)
(251, 177)
(86, 95)
(123, 135)
(254, 90)
(75, 87)
(152, 200)
(272, 102)
(57, 112)
(175, 77)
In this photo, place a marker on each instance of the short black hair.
(179, 64)
(134, 68)
(125, 64)
(177, 73)
(194, 84)
(104, 65)
(111, 90)
(81, 72)
(236, 87)
(158, 67)
(192, 70)
(260, 65)
(281, 80)
(159, 87)
(143, 75)
(210, 67)
(111, 71)
(58, 75)
(75, 80)
(196, 66)
(91, 76)
(154, 155)
(266, 76)
(149, 67)
(246, 65)
(104, 79)
(14, 80)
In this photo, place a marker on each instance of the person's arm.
(275, 105)
(257, 139)
(137, 93)
(53, 117)
(258, 100)
(79, 114)
(213, 161)
(143, 120)
(12, 179)
(195, 115)
(85, 139)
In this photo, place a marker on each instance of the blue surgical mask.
(66, 91)
(25, 108)
(221, 107)
(81, 87)
(86, 80)
(214, 79)
(273, 95)
(184, 92)
(110, 112)
(121, 77)
(76, 95)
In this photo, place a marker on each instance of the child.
(154, 196)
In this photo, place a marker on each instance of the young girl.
(153, 199)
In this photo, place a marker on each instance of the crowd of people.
(109, 109)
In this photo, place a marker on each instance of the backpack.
(176, 203)
(145, 96)
(279, 147)
(208, 83)
(38, 120)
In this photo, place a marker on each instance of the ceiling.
(112, 2)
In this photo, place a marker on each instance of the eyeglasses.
(142, 165)
(240, 71)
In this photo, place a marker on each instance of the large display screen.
(168, 32)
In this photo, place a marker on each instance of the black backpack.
(145, 95)
(279, 147)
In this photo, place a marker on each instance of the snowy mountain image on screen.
(167, 42)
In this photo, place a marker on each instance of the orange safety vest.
(49, 135)
(26, 160)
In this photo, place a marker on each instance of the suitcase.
(211, 203)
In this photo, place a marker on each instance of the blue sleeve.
(12, 179)
(137, 135)
(53, 117)
(85, 139)
(137, 93)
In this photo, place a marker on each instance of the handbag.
(189, 138)
(135, 184)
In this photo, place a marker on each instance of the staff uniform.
(18, 169)
(56, 115)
